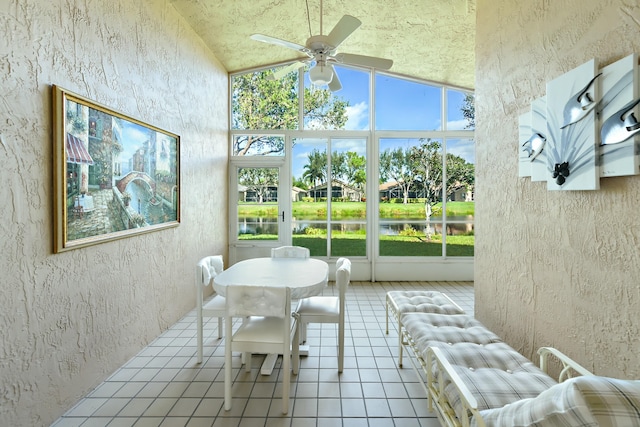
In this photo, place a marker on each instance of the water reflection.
(258, 226)
(395, 229)
(144, 202)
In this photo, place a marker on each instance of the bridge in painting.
(131, 176)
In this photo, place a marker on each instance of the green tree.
(419, 168)
(259, 103)
(356, 171)
(300, 183)
(315, 171)
(398, 165)
(259, 180)
(339, 166)
(469, 110)
(460, 173)
(323, 110)
(426, 160)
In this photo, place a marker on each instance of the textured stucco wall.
(553, 268)
(68, 320)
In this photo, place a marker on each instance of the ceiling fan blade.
(334, 84)
(283, 71)
(279, 42)
(343, 29)
(363, 60)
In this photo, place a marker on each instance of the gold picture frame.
(114, 176)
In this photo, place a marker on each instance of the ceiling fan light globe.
(320, 75)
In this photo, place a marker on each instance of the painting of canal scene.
(114, 176)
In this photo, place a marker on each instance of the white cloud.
(358, 116)
(457, 124)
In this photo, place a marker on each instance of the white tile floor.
(164, 386)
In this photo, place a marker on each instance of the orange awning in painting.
(76, 151)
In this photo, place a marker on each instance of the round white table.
(304, 276)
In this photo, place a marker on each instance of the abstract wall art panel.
(539, 170)
(618, 136)
(571, 149)
(524, 144)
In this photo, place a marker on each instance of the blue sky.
(401, 105)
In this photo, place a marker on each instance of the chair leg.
(199, 327)
(286, 380)
(387, 312)
(219, 327)
(247, 361)
(227, 371)
(295, 353)
(303, 333)
(340, 347)
(399, 343)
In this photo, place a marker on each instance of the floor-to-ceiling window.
(381, 171)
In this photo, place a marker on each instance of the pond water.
(257, 225)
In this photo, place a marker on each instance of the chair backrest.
(249, 300)
(343, 275)
(290, 252)
(208, 268)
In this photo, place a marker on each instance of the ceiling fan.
(321, 52)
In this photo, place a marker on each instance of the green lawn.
(355, 244)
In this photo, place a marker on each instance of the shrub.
(409, 232)
(312, 231)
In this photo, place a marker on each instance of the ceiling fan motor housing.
(319, 45)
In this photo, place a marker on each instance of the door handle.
(282, 216)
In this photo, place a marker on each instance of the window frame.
(372, 136)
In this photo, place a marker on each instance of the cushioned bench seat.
(400, 302)
(495, 375)
(428, 329)
(466, 368)
(585, 401)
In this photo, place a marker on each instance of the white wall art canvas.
(618, 137)
(571, 149)
(539, 169)
(524, 144)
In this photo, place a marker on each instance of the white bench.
(400, 302)
(472, 377)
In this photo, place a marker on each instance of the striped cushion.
(495, 374)
(427, 329)
(560, 406)
(421, 301)
(493, 371)
(612, 402)
(587, 401)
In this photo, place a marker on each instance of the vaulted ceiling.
(428, 39)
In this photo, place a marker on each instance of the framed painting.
(114, 176)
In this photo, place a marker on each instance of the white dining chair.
(327, 309)
(267, 327)
(208, 268)
(290, 252)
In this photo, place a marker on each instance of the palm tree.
(315, 171)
